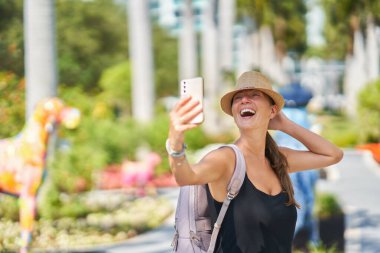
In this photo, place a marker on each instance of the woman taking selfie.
(262, 217)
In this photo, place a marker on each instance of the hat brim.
(226, 100)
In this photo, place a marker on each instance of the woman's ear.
(273, 111)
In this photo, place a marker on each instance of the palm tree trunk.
(141, 56)
(210, 68)
(40, 51)
(355, 73)
(372, 50)
(269, 64)
(187, 44)
(226, 23)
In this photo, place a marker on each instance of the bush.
(327, 205)
(340, 130)
(9, 208)
(369, 112)
(12, 115)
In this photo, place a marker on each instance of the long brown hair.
(279, 164)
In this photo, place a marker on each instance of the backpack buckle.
(231, 196)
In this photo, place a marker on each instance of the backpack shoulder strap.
(239, 172)
(232, 190)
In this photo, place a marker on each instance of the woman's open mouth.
(246, 113)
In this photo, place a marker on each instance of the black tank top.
(255, 222)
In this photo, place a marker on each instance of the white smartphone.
(194, 87)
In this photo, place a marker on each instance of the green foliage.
(11, 37)
(100, 136)
(369, 112)
(165, 49)
(286, 18)
(320, 248)
(323, 249)
(91, 35)
(327, 205)
(116, 85)
(342, 18)
(155, 135)
(56, 205)
(260, 10)
(9, 207)
(340, 130)
(113, 139)
(12, 111)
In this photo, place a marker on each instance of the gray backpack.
(194, 232)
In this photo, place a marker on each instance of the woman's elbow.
(183, 181)
(338, 155)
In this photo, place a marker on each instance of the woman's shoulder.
(224, 151)
(221, 154)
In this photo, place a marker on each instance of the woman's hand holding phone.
(188, 112)
(194, 88)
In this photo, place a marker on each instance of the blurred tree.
(286, 18)
(342, 19)
(226, 12)
(12, 107)
(187, 43)
(116, 88)
(141, 55)
(92, 35)
(165, 49)
(11, 37)
(369, 112)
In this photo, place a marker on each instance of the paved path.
(356, 182)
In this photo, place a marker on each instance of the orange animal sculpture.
(22, 159)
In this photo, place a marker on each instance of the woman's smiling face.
(250, 106)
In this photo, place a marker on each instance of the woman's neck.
(253, 141)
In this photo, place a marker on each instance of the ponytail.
(280, 166)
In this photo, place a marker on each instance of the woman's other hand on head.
(278, 121)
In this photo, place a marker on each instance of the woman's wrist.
(176, 141)
(175, 152)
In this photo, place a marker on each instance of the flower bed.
(95, 229)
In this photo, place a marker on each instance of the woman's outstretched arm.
(212, 167)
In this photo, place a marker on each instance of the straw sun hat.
(251, 80)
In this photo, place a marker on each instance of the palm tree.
(210, 67)
(187, 43)
(40, 51)
(347, 19)
(279, 26)
(372, 50)
(141, 55)
(226, 22)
